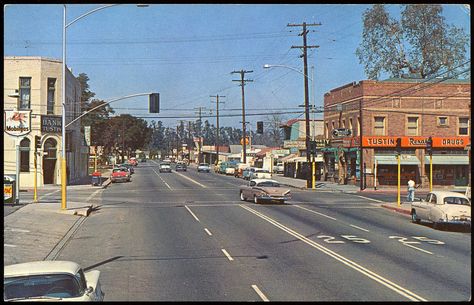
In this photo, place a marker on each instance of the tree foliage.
(421, 43)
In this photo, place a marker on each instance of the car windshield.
(115, 170)
(50, 285)
(203, 164)
(456, 200)
(262, 171)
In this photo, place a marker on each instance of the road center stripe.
(227, 254)
(195, 217)
(192, 180)
(370, 274)
(260, 293)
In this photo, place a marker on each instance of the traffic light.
(399, 145)
(154, 101)
(37, 143)
(260, 127)
(312, 147)
(429, 145)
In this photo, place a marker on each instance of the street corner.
(79, 211)
(403, 208)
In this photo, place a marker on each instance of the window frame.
(50, 95)
(376, 128)
(25, 155)
(466, 126)
(408, 127)
(21, 101)
(438, 121)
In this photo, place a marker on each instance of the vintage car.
(165, 168)
(203, 167)
(239, 169)
(133, 161)
(260, 190)
(260, 173)
(127, 166)
(441, 207)
(120, 174)
(229, 170)
(247, 172)
(278, 168)
(50, 281)
(181, 166)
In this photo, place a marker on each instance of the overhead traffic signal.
(260, 127)
(312, 147)
(154, 101)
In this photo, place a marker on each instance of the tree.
(86, 94)
(420, 44)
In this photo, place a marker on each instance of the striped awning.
(392, 160)
(448, 160)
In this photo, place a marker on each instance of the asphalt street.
(186, 236)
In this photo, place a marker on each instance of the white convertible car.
(442, 207)
(50, 281)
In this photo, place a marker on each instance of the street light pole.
(63, 92)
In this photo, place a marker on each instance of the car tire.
(255, 199)
(413, 216)
(281, 201)
(242, 197)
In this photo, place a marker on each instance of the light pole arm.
(288, 67)
(101, 105)
(90, 12)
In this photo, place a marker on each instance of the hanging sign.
(17, 122)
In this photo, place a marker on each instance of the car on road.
(133, 161)
(260, 190)
(260, 173)
(120, 174)
(239, 169)
(165, 168)
(203, 167)
(278, 168)
(181, 166)
(442, 207)
(247, 172)
(51, 281)
(127, 166)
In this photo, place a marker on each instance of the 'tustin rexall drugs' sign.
(51, 124)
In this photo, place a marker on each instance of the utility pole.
(200, 109)
(304, 47)
(217, 116)
(244, 133)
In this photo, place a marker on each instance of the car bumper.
(274, 198)
(455, 222)
(121, 179)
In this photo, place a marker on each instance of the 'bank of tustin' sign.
(51, 124)
(17, 122)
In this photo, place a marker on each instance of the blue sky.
(187, 52)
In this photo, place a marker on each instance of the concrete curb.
(397, 209)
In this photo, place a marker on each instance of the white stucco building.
(34, 85)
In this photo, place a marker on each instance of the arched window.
(25, 155)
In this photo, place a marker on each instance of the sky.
(187, 53)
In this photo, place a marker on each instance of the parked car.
(230, 170)
(181, 166)
(247, 172)
(120, 174)
(278, 168)
(128, 166)
(441, 207)
(50, 281)
(239, 170)
(260, 173)
(203, 167)
(133, 161)
(260, 190)
(165, 168)
(143, 160)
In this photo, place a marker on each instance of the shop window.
(463, 126)
(412, 126)
(442, 121)
(25, 93)
(25, 155)
(327, 130)
(379, 126)
(51, 93)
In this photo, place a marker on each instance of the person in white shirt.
(411, 191)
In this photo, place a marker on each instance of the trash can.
(97, 178)
(9, 189)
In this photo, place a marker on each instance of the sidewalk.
(38, 231)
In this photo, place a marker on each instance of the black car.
(181, 167)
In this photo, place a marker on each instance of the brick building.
(409, 109)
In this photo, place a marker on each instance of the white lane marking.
(192, 180)
(8, 245)
(260, 293)
(379, 201)
(41, 197)
(93, 194)
(315, 212)
(195, 217)
(227, 254)
(19, 230)
(370, 274)
(354, 226)
(162, 179)
(208, 232)
(416, 248)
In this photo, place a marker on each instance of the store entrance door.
(49, 161)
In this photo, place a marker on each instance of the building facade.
(380, 112)
(33, 86)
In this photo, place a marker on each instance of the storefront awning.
(303, 159)
(448, 160)
(392, 160)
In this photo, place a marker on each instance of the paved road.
(186, 236)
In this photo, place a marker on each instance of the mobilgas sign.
(17, 122)
(341, 132)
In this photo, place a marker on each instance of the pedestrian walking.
(411, 191)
